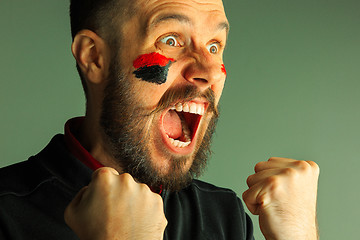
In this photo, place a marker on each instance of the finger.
(262, 175)
(103, 177)
(79, 196)
(314, 166)
(274, 162)
(281, 159)
(104, 170)
(255, 198)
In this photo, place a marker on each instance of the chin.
(166, 162)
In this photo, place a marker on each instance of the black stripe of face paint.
(154, 74)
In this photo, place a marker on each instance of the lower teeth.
(178, 143)
(186, 135)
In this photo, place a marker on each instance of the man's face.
(164, 86)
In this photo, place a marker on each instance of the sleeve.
(247, 223)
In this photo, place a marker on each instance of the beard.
(126, 131)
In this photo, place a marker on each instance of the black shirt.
(35, 193)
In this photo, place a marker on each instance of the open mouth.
(180, 123)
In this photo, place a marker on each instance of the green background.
(292, 90)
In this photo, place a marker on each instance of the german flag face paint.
(152, 67)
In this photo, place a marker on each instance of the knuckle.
(157, 197)
(273, 181)
(102, 172)
(158, 202)
(145, 188)
(246, 196)
(259, 166)
(314, 166)
(302, 165)
(127, 182)
(271, 159)
(164, 221)
(261, 199)
(249, 180)
(103, 175)
(145, 191)
(127, 179)
(289, 171)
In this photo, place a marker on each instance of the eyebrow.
(167, 17)
(224, 25)
(183, 19)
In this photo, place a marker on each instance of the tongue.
(172, 124)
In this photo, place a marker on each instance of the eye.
(213, 48)
(170, 40)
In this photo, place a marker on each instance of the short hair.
(95, 15)
(99, 16)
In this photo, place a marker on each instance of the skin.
(97, 218)
(194, 65)
(282, 191)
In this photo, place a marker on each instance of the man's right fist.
(114, 206)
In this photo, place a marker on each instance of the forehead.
(198, 4)
(194, 12)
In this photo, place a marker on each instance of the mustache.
(185, 94)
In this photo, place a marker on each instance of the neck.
(91, 138)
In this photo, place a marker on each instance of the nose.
(205, 70)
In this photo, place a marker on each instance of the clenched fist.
(283, 193)
(114, 206)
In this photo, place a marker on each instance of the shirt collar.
(75, 146)
(79, 151)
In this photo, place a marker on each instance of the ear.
(92, 55)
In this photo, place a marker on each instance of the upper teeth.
(190, 107)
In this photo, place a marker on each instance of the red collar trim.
(78, 150)
(75, 147)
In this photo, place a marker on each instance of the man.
(153, 74)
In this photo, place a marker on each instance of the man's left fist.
(283, 193)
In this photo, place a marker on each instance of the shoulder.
(51, 165)
(206, 187)
(204, 190)
(22, 178)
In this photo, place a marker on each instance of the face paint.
(223, 68)
(152, 67)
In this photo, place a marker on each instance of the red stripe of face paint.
(151, 59)
(223, 68)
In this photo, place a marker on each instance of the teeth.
(194, 108)
(179, 107)
(186, 107)
(178, 143)
(191, 107)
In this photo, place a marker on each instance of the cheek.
(148, 95)
(152, 67)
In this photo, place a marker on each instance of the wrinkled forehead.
(152, 12)
(149, 7)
